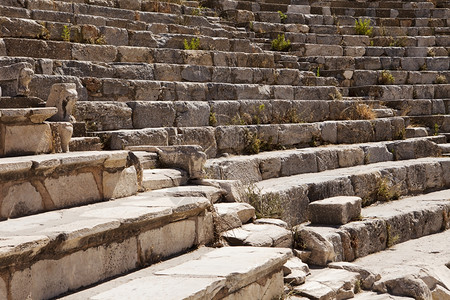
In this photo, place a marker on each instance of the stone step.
(123, 90)
(375, 4)
(111, 115)
(348, 78)
(384, 12)
(422, 266)
(259, 235)
(235, 272)
(282, 163)
(155, 179)
(186, 73)
(85, 144)
(383, 180)
(381, 227)
(250, 139)
(34, 184)
(329, 284)
(148, 160)
(437, 123)
(379, 63)
(445, 148)
(396, 92)
(101, 241)
(321, 39)
(135, 55)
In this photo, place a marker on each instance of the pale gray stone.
(189, 158)
(335, 211)
(63, 96)
(248, 266)
(35, 139)
(167, 240)
(322, 251)
(367, 277)
(19, 200)
(65, 190)
(120, 184)
(403, 286)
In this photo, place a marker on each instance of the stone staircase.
(332, 152)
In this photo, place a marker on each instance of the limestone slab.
(335, 211)
(120, 184)
(65, 190)
(21, 199)
(163, 287)
(250, 263)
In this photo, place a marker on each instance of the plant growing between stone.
(441, 79)
(283, 17)
(268, 205)
(362, 27)
(65, 35)
(281, 44)
(194, 44)
(386, 78)
(391, 240)
(385, 192)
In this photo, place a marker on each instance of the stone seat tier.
(33, 184)
(384, 12)
(111, 89)
(250, 138)
(393, 62)
(375, 4)
(381, 227)
(111, 115)
(396, 92)
(383, 180)
(281, 163)
(66, 6)
(204, 273)
(100, 241)
(26, 115)
(184, 72)
(135, 55)
(346, 23)
(155, 179)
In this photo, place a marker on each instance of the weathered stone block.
(335, 211)
(152, 114)
(19, 200)
(167, 240)
(120, 184)
(34, 139)
(65, 190)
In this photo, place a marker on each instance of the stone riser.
(399, 178)
(363, 78)
(256, 272)
(150, 56)
(275, 164)
(151, 236)
(327, 23)
(146, 90)
(109, 115)
(380, 228)
(241, 139)
(49, 182)
(384, 12)
(380, 63)
(396, 92)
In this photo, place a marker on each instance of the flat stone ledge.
(163, 226)
(40, 183)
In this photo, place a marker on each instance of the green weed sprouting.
(281, 44)
(194, 44)
(362, 27)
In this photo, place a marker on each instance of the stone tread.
(382, 226)
(350, 181)
(35, 232)
(201, 277)
(154, 179)
(366, 153)
(418, 257)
